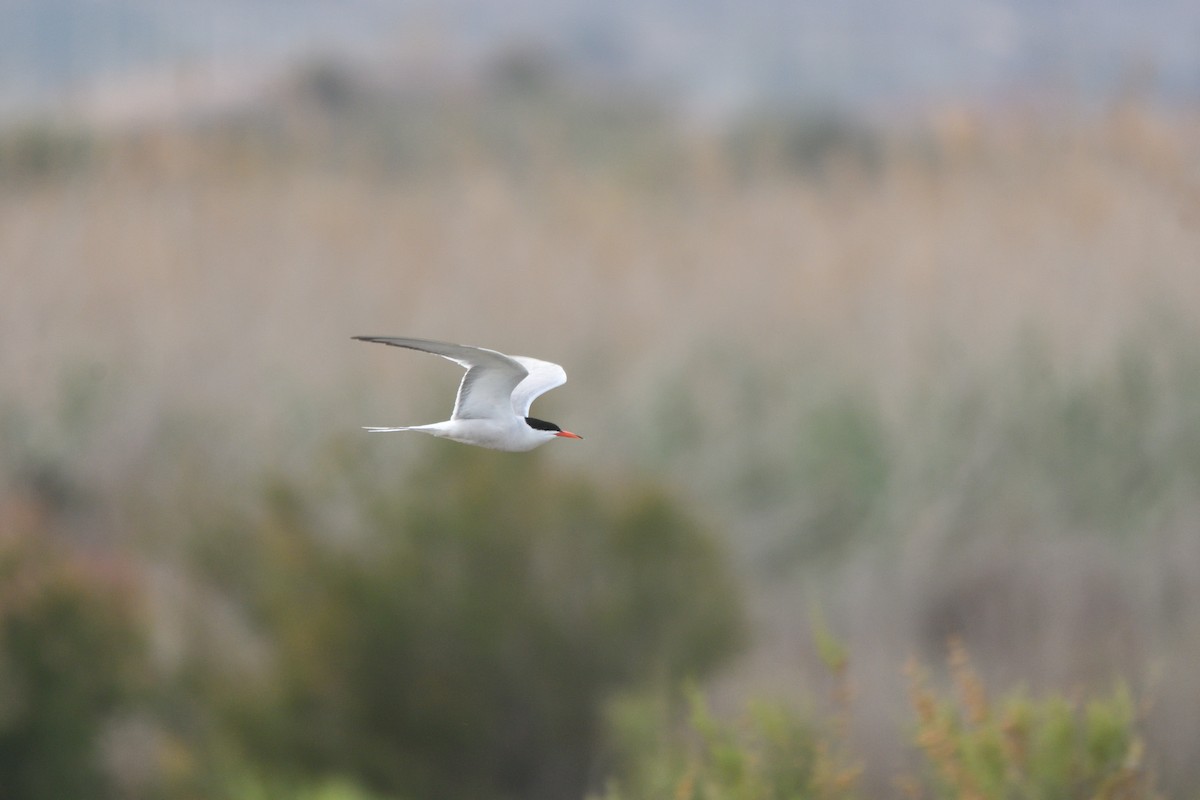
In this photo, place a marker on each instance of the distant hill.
(715, 54)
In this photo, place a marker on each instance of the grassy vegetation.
(457, 640)
(71, 641)
(939, 381)
(969, 745)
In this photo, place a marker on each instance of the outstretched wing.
(543, 376)
(486, 391)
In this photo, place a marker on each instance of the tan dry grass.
(192, 256)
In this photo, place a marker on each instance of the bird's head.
(551, 430)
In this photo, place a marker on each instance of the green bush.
(250, 787)
(71, 657)
(1019, 747)
(970, 748)
(463, 642)
(768, 753)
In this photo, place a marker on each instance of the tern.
(492, 406)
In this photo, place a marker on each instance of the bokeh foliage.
(966, 746)
(72, 656)
(464, 641)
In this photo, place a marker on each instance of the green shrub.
(71, 657)
(465, 640)
(248, 787)
(768, 753)
(971, 748)
(1020, 747)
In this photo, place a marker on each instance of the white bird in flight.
(492, 407)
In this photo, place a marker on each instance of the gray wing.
(543, 376)
(486, 391)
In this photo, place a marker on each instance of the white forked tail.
(385, 430)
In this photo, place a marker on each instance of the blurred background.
(881, 322)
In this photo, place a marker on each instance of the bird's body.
(492, 406)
